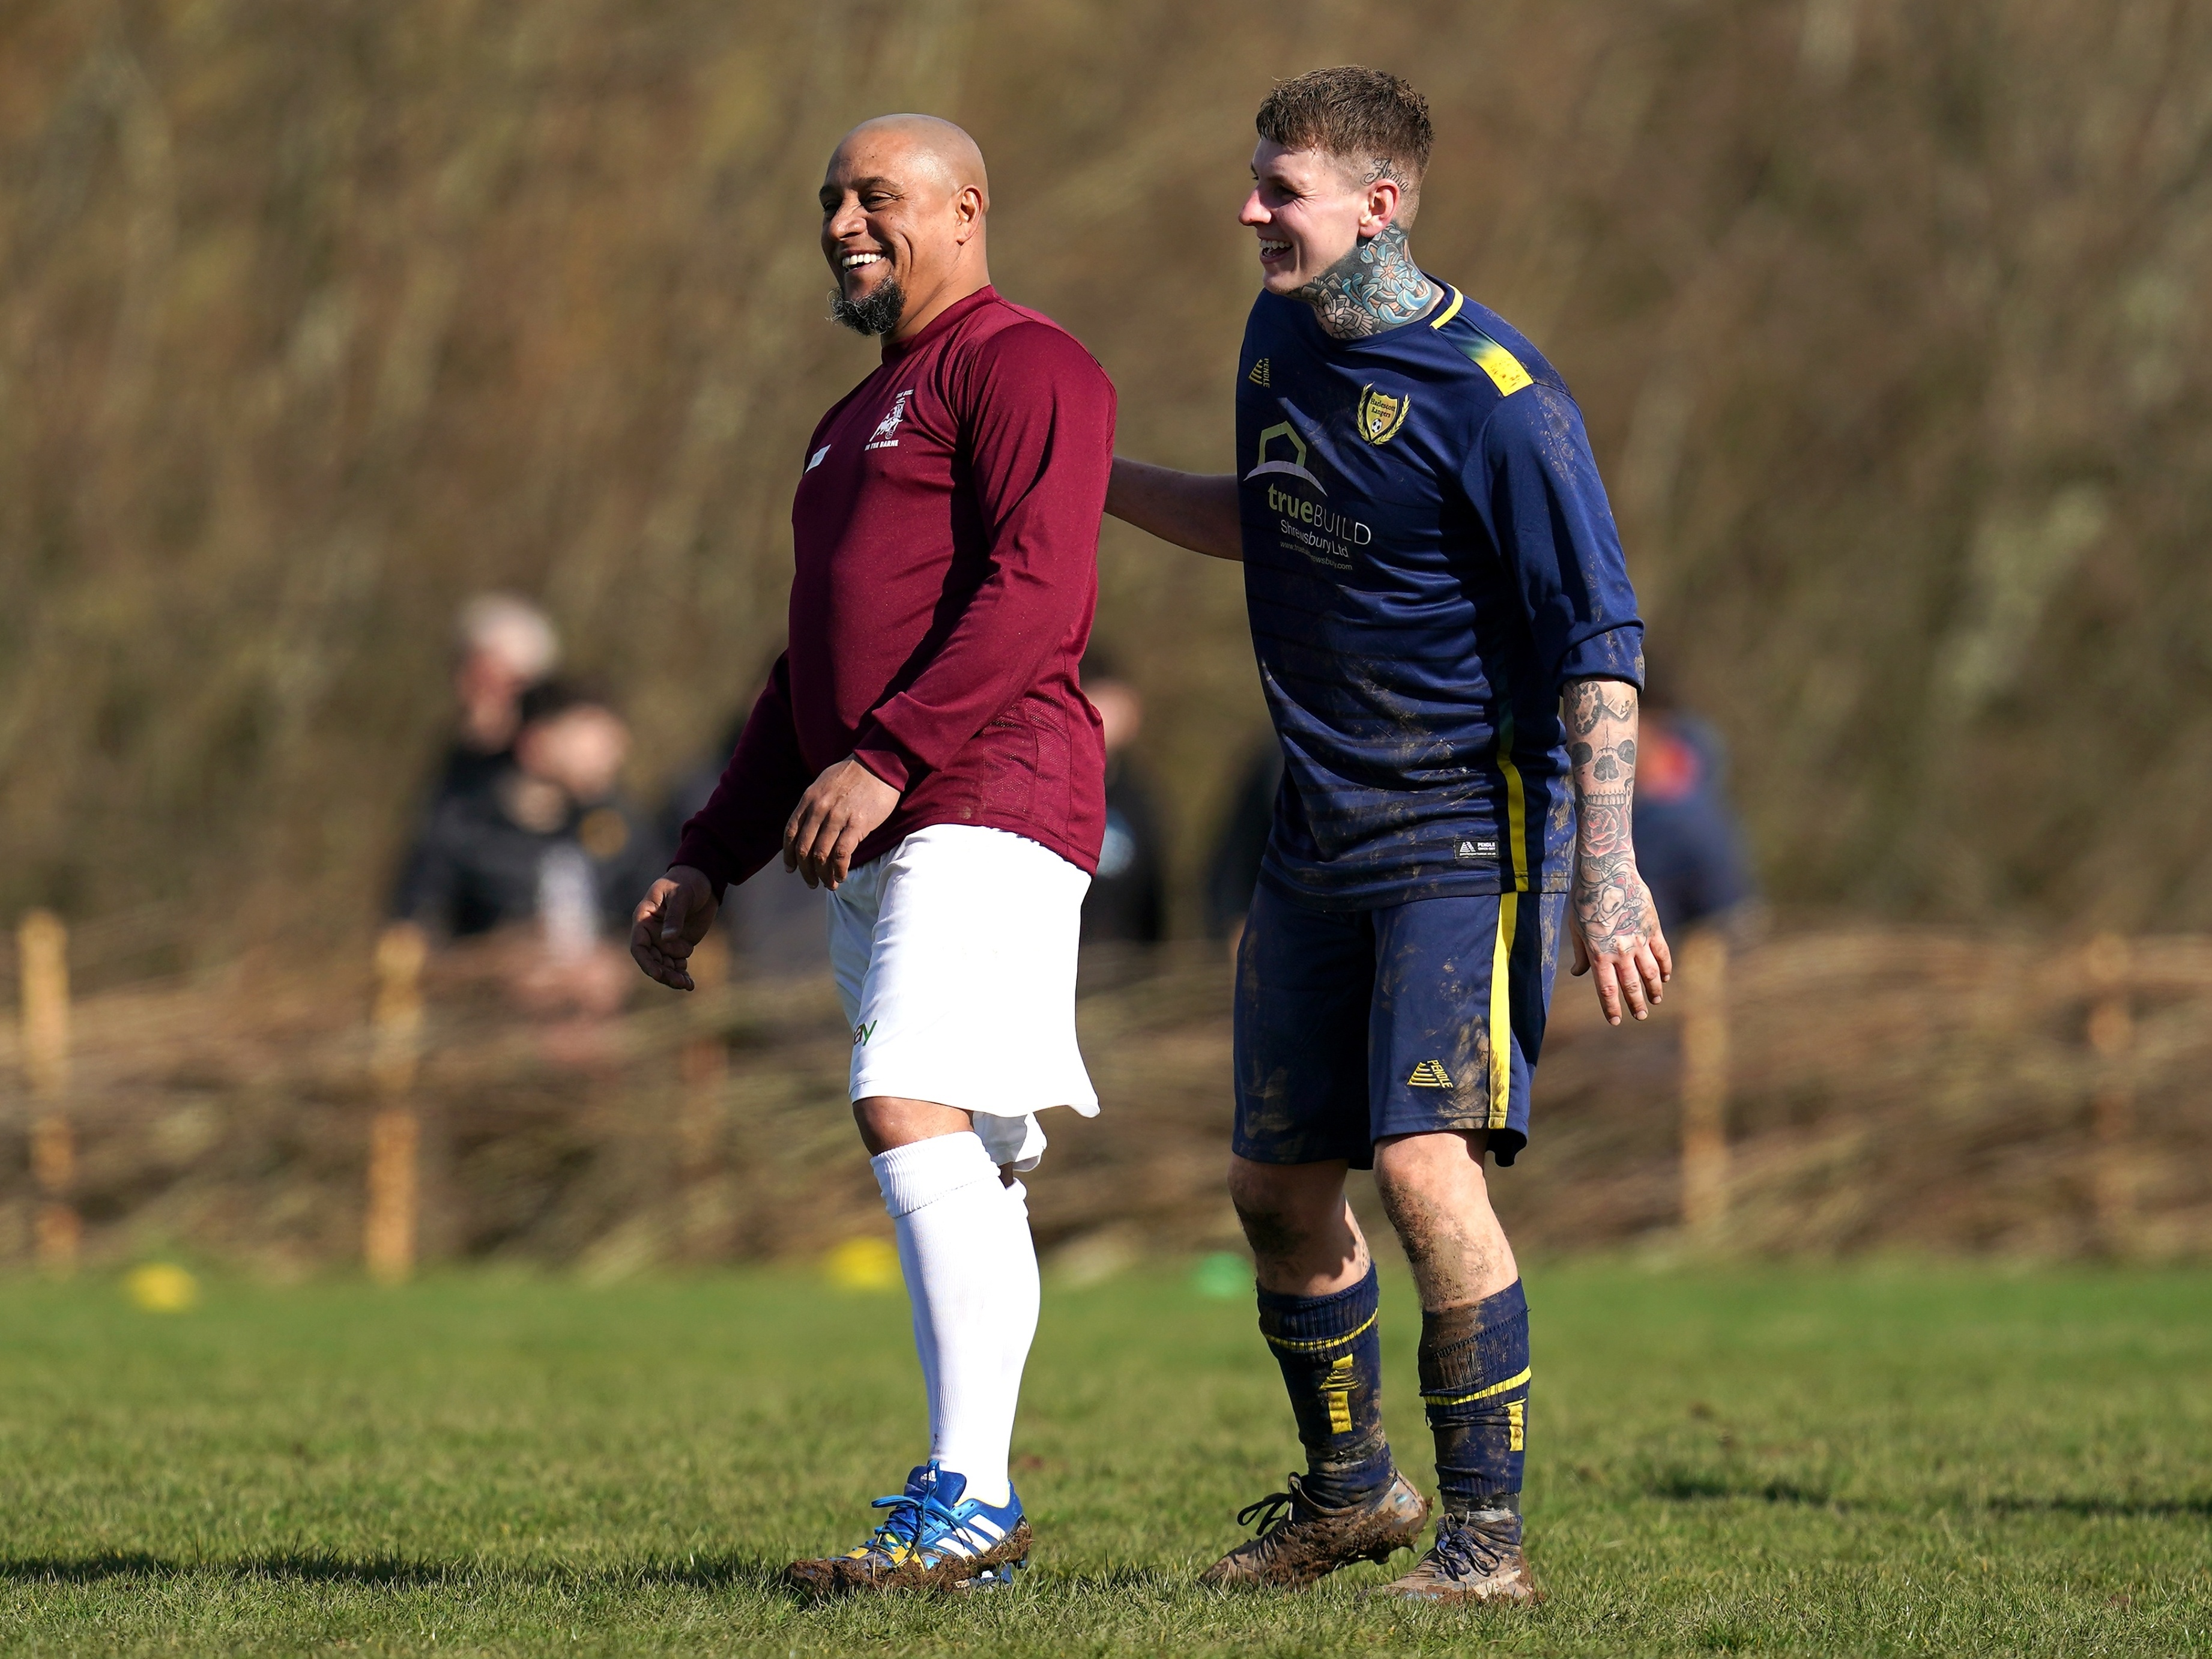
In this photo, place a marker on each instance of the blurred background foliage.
(1889, 317)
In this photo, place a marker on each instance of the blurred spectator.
(548, 837)
(1233, 869)
(502, 646)
(1689, 845)
(774, 923)
(1125, 902)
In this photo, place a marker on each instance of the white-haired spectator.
(503, 645)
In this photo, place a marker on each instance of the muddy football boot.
(1475, 1559)
(1299, 1542)
(934, 1539)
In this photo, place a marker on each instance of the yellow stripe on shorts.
(1501, 1010)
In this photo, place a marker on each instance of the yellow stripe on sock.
(1501, 1010)
(1337, 1388)
(1479, 1394)
(1320, 1343)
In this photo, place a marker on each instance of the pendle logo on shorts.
(1470, 852)
(1430, 1074)
(886, 435)
(862, 1033)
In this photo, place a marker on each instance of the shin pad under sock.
(1331, 1353)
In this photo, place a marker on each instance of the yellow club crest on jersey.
(1381, 414)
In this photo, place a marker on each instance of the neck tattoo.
(1374, 287)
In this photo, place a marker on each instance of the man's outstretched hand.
(668, 924)
(833, 817)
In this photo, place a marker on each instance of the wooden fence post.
(2112, 1033)
(1704, 1083)
(702, 1119)
(394, 1216)
(42, 950)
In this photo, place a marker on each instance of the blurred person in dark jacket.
(547, 838)
(774, 923)
(502, 646)
(1233, 869)
(1127, 900)
(1689, 842)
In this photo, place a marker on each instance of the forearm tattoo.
(1612, 904)
(1374, 287)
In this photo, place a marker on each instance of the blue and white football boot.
(932, 1539)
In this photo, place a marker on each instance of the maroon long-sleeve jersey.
(946, 535)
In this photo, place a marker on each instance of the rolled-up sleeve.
(1533, 480)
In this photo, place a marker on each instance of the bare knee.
(1281, 1203)
(886, 1122)
(1302, 1235)
(1434, 1191)
(1442, 1172)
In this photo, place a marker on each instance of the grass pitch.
(1874, 1460)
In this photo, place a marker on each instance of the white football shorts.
(955, 955)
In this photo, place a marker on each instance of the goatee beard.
(877, 313)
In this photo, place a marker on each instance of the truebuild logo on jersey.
(1307, 525)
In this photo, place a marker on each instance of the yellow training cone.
(863, 1264)
(161, 1287)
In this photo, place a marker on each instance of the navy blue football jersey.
(1429, 557)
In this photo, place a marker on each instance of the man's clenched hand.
(668, 924)
(833, 817)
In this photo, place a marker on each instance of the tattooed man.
(1434, 579)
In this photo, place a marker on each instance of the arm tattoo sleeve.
(1611, 902)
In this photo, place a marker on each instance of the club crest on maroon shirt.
(886, 435)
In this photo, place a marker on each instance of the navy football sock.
(1331, 1353)
(1474, 1382)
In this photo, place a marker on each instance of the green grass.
(1884, 1459)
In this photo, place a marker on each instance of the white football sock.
(971, 1274)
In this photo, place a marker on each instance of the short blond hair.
(1375, 121)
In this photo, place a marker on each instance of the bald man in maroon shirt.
(924, 752)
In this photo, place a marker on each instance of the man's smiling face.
(892, 224)
(1307, 209)
(866, 227)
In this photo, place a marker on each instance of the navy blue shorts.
(1354, 1025)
